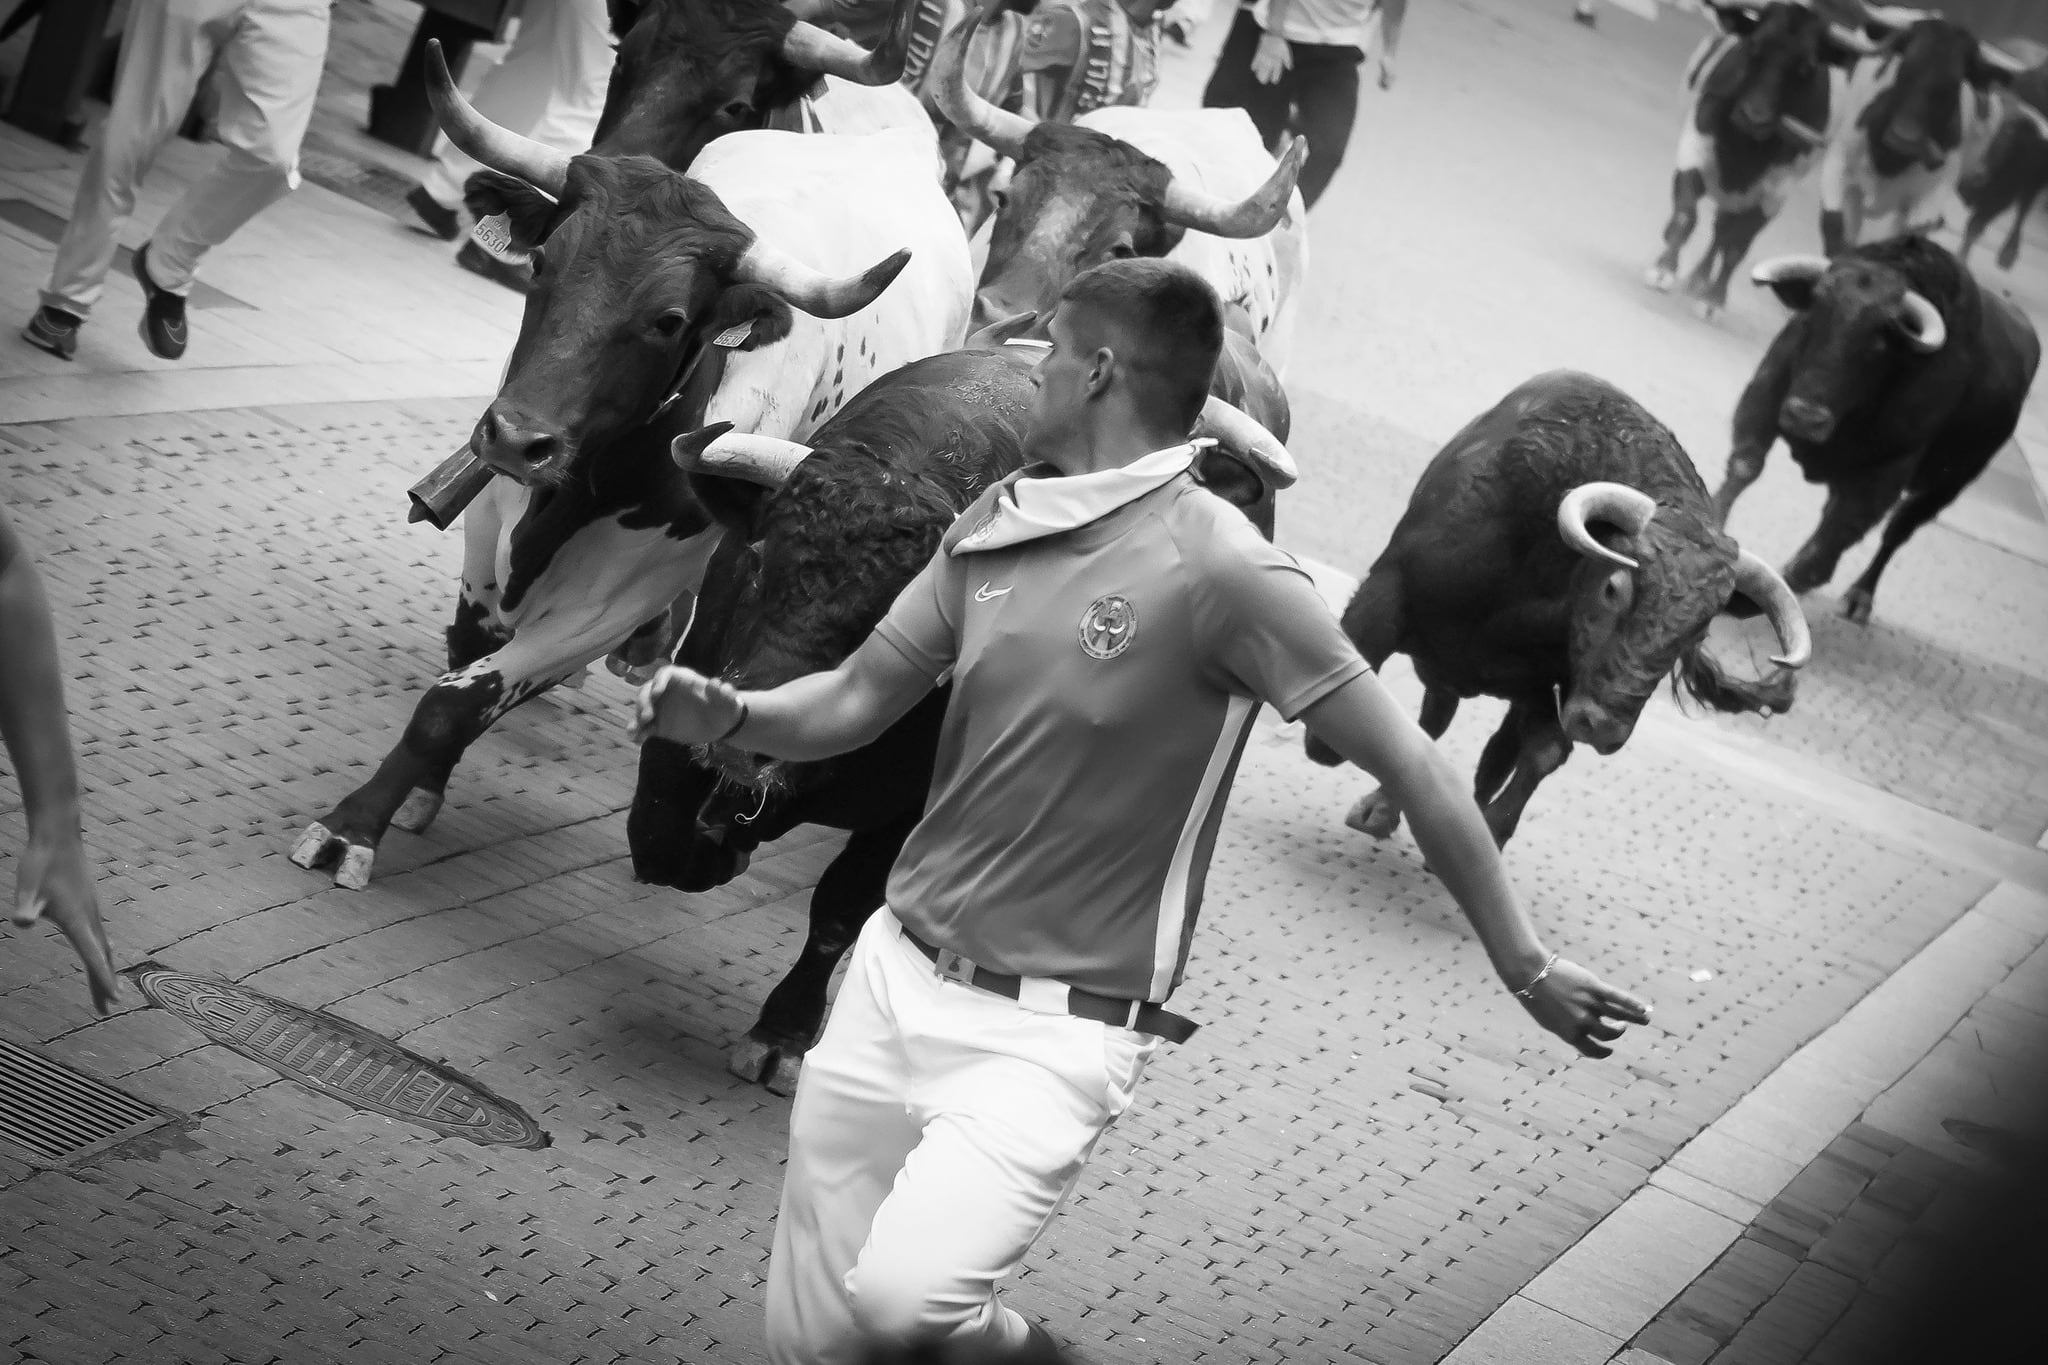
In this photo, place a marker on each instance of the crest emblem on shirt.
(1108, 626)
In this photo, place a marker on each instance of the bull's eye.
(538, 260)
(737, 110)
(669, 326)
(1121, 251)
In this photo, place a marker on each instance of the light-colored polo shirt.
(1320, 23)
(1104, 683)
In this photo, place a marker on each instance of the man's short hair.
(1168, 324)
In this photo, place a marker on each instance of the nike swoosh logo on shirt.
(983, 594)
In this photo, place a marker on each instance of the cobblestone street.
(1369, 1152)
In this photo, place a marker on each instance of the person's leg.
(1013, 1104)
(165, 50)
(1393, 13)
(1326, 98)
(849, 1132)
(1232, 85)
(271, 65)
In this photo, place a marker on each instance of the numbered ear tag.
(734, 335)
(494, 234)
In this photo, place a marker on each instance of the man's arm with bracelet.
(1361, 722)
(811, 717)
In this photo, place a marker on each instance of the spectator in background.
(1293, 64)
(51, 876)
(551, 87)
(269, 54)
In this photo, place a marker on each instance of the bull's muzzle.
(1589, 723)
(1805, 420)
(520, 447)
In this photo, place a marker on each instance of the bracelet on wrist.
(743, 720)
(1537, 980)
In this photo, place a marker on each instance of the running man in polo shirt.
(1110, 628)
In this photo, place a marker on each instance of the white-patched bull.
(1559, 553)
(1196, 186)
(1766, 96)
(1916, 114)
(763, 289)
(2014, 168)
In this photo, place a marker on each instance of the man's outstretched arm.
(1361, 722)
(52, 874)
(811, 717)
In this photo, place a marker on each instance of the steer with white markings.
(1559, 553)
(763, 289)
(1196, 186)
(820, 539)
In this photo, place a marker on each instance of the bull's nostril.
(540, 449)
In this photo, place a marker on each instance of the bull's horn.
(1000, 332)
(504, 151)
(1922, 324)
(2030, 114)
(1243, 435)
(1804, 132)
(1614, 503)
(718, 449)
(1894, 16)
(1760, 583)
(1790, 270)
(1253, 216)
(972, 114)
(2000, 59)
(813, 291)
(1854, 39)
(813, 49)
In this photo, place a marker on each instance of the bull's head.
(1861, 322)
(1650, 580)
(1080, 197)
(635, 268)
(1773, 84)
(687, 73)
(1931, 66)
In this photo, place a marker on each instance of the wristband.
(743, 720)
(1523, 994)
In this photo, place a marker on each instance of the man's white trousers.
(936, 1129)
(270, 54)
(550, 87)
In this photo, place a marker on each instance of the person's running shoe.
(53, 330)
(477, 261)
(444, 223)
(163, 313)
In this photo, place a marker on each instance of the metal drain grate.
(51, 1113)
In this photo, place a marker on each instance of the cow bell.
(450, 487)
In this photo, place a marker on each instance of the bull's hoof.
(1856, 604)
(1803, 575)
(1659, 279)
(1706, 310)
(788, 1070)
(774, 1065)
(2008, 257)
(319, 846)
(1375, 815)
(419, 811)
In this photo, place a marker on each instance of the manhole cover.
(337, 1058)
(51, 1113)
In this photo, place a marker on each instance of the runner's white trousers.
(937, 1128)
(270, 54)
(550, 86)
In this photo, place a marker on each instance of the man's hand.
(53, 879)
(1577, 1005)
(1270, 59)
(683, 705)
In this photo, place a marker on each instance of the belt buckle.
(954, 967)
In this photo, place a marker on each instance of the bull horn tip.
(686, 448)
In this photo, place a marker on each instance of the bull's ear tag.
(734, 336)
(494, 234)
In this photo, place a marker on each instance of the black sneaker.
(476, 260)
(54, 330)
(442, 222)
(163, 313)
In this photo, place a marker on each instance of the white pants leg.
(936, 1130)
(550, 86)
(270, 65)
(165, 50)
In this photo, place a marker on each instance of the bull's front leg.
(1852, 508)
(2009, 254)
(1375, 813)
(1543, 750)
(851, 890)
(1733, 234)
(1754, 429)
(1688, 187)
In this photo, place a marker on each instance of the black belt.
(1141, 1015)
